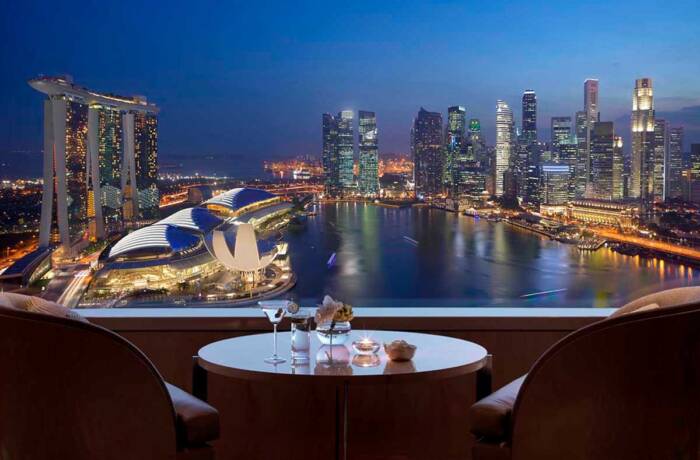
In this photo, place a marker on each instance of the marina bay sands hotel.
(100, 163)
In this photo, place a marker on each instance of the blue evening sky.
(252, 78)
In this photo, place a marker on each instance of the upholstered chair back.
(73, 390)
(624, 388)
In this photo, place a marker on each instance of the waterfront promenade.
(648, 243)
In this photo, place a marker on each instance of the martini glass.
(274, 310)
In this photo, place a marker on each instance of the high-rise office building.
(531, 176)
(338, 155)
(471, 180)
(455, 147)
(674, 188)
(618, 167)
(346, 150)
(601, 148)
(592, 111)
(582, 155)
(368, 182)
(511, 184)
(642, 172)
(568, 155)
(661, 146)
(529, 122)
(427, 152)
(329, 129)
(86, 147)
(561, 131)
(691, 179)
(556, 180)
(504, 143)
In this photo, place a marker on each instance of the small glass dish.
(366, 346)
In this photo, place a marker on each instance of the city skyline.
(226, 90)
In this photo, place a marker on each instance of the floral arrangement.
(332, 311)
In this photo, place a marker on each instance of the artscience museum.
(224, 250)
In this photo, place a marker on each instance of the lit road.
(649, 243)
(74, 290)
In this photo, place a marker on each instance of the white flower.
(327, 309)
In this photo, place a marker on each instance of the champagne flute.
(275, 311)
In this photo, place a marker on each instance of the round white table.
(436, 357)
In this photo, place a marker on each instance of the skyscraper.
(427, 150)
(146, 164)
(568, 155)
(555, 184)
(674, 187)
(329, 128)
(642, 172)
(618, 166)
(660, 159)
(346, 149)
(369, 155)
(532, 174)
(529, 126)
(338, 155)
(601, 147)
(592, 114)
(582, 155)
(504, 143)
(455, 147)
(476, 139)
(83, 164)
(560, 131)
(110, 162)
(691, 189)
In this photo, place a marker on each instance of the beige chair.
(73, 390)
(627, 387)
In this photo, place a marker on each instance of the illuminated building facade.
(338, 153)
(661, 147)
(568, 155)
(556, 180)
(601, 158)
(345, 153)
(427, 152)
(582, 155)
(369, 155)
(109, 159)
(560, 131)
(674, 188)
(211, 249)
(505, 134)
(592, 111)
(618, 167)
(691, 177)
(146, 165)
(476, 140)
(604, 213)
(529, 121)
(471, 180)
(455, 148)
(329, 139)
(531, 175)
(81, 156)
(642, 167)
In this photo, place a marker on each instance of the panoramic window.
(530, 186)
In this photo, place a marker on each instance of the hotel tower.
(100, 163)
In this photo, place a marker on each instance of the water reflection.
(427, 257)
